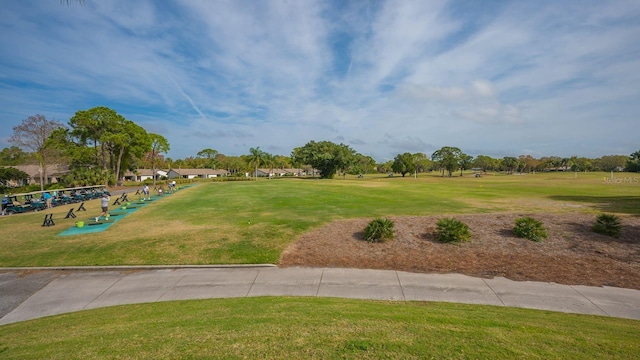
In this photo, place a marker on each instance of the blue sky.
(499, 78)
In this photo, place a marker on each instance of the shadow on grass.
(617, 204)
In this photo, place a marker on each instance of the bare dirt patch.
(572, 254)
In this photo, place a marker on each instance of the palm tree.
(255, 157)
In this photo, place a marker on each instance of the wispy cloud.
(386, 77)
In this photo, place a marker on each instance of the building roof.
(200, 171)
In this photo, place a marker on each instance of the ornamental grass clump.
(379, 230)
(530, 228)
(608, 224)
(450, 230)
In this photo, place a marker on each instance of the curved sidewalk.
(56, 291)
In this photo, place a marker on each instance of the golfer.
(5, 203)
(104, 202)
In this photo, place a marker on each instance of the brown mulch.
(572, 254)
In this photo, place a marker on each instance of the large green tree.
(510, 163)
(465, 162)
(403, 164)
(34, 133)
(485, 163)
(422, 162)
(633, 163)
(159, 145)
(102, 137)
(362, 165)
(611, 162)
(447, 158)
(210, 157)
(325, 156)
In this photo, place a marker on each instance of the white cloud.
(238, 74)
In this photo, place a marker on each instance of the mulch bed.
(572, 254)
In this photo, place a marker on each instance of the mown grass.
(319, 328)
(253, 222)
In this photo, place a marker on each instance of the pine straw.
(572, 254)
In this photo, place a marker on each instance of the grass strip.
(319, 328)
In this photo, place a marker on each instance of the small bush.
(450, 230)
(530, 228)
(608, 224)
(379, 230)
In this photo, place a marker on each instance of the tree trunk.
(118, 180)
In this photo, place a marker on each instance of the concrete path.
(34, 294)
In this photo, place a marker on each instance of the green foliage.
(450, 230)
(12, 174)
(509, 163)
(529, 228)
(13, 156)
(608, 224)
(633, 163)
(447, 158)
(86, 177)
(325, 156)
(379, 230)
(403, 164)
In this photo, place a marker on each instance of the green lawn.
(319, 328)
(252, 222)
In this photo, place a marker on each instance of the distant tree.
(422, 162)
(447, 158)
(8, 174)
(362, 165)
(612, 162)
(233, 164)
(403, 164)
(528, 163)
(159, 145)
(583, 164)
(551, 163)
(255, 158)
(465, 162)
(210, 155)
(268, 160)
(13, 156)
(33, 133)
(509, 163)
(633, 163)
(325, 156)
(485, 163)
(384, 167)
(281, 161)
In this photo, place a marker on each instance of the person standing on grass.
(5, 203)
(145, 192)
(47, 200)
(104, 203)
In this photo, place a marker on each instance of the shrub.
(450, 230)
(608, 224)
(530, 228)
(379, 230)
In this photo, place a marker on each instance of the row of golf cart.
(36, 200)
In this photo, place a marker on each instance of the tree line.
(99, 145)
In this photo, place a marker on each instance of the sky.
(498, 78)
